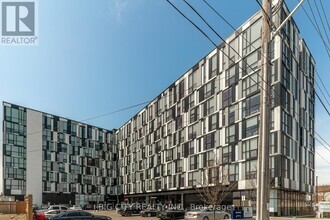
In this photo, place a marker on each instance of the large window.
(213, 121)
(15, 115)
(251, 62)
(192, 178)
(230, 134)
(251, 126)
(227, 97)
(213, 64)
(251, 84)
(192, 82)
(209, 141)
(286, 123)
(233, 172)
(231, 75)
(194, 114)
(209, 106)
(233, 50)
(251, 169)
(208, 159)
(226, 154)
(194, 162)
(251, 37)
(249, 150)
(251, 105)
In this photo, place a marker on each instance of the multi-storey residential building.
(55, 159)
(212, 113)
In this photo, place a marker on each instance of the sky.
(97, 57)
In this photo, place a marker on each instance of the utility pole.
(316, 191)
(264, 128)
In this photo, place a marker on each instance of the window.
(209, 89)
(213, 122)
(251, 105)
(209, 106)
(251, 62)
(209, 141)
(15, 115)
(251, 37)
(249, 150)
(47, 122)
(178, 166)
(231, 75)
(230, 133)
(231, 114)
(286, 123)
(251, 169)
(226, 154)
(233, 172)
(181, 89)
(213, 63)
(227, 97)
(208, 159)
(194, 162)
(251, 126)
(251, 84)
(192, 178)
(191, 82)
(192, 131)
(233, 49)
(194, 114)
(15, 128)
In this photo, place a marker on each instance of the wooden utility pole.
(264, 128)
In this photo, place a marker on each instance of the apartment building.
(212, 113)
(56, 159)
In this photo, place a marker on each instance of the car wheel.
(149, 214)
(226, 217)
(206, 218)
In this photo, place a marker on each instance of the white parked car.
(206, 214)
(58, 207)
(76, 207)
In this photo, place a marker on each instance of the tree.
(215, 185)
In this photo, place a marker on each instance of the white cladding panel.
(34, 155)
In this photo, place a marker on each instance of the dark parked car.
(148, 212)
(88, 207)
(172, 214)
(134, 209)
(74, 215)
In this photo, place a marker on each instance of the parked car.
(39, 215)
(58, 207)
(88, 207)
(148, 212)
(171, 214)
(51, 213)
(134, 209)
(79, 214)
(206, 214)
(76, 207)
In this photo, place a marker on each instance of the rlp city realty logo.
(19, 22)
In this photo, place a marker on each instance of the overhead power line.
(325, 15)
(319, 14)
(320, 35)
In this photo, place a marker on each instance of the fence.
(18, 207)
(15, 207)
